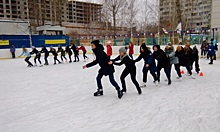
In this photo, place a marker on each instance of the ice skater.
(84, 52)
(131, 50)
(149, 63)
(170, 52)
(63, 53)
(203, 48)
(69, 52)
(12, 50)
(163, 62)
(37, 55)
(53, 51)
(211, 53)
(75, 51)
(130, 68)
(195, 58)
(106, 70)
(109, 48)
(28, 56)
(184, 59)
(46, 54)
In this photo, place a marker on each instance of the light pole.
(29, 24)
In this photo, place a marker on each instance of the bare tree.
(114, 6)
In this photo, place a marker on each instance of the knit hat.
(123, 49)
(95, 42)
(109, 42)
(33, 47)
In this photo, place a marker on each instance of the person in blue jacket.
(28, 56)
(211, 52)
(149, 63)
(216, 48)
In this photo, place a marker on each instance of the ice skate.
(143, 85)
(179, 78)
(192, 76)
(124, 90)
(99, 92)
(120, 94)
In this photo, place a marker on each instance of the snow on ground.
(59, 98)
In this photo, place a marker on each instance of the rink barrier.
(5, 53)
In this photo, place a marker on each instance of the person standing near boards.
(12, 50)
(109, 48)
(131, 50)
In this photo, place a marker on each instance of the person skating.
(84, 52)
(109, 48)
(53, 51)
(215, 47)
(28, 56)
(106, 70)
(189, 53)
(12, 50)
(46, 54)
(183, 59)
(63, 53)
(211, 52)
(69, 52)
(195, 58)
(163, 62)
(131, 50)
(37, 56)
(203, 48)
(170, 52)
(149, 63)
(75, 51)
(130, 68)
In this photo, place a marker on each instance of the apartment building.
(194, 13)
(53, 11)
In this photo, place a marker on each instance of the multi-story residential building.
(215, 20)
(193, 13)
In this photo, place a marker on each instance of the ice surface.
(59, 98)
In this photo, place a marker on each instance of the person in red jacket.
(84, 52)
(109, 48)
(131, 50)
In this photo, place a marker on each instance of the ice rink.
(59, 98)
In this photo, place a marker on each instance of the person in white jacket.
(28, 56)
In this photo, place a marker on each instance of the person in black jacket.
(69, 52)
(183, 59)
(53, 51)
(149, 63)
(37, 55)
(163, 62)
(75, 51)
(46, 54)
(63, 53)
(106, 70)
(130, 68)
(195, 58)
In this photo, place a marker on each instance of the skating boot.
(120, 94)
(124, 90)
(169, 82)
(143, 85)
(99, 92)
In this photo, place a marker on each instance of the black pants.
(37, 57)
(111, 78)
(166, 70)
(203, 52)
(84, 55)
(70, 57)
(13, 54)
(27, 60)
(188, 68)
(145, 71)
(214, 57)
(76, 55)
(45, 59)
(55, 59)
(63, 56)
(177, 68)
(211, 58)
(132, 73)
(196, 65)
